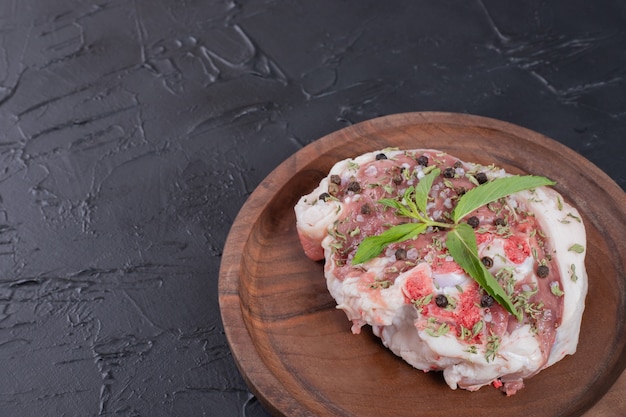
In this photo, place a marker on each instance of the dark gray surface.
(133, 131)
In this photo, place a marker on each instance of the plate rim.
(250, 362)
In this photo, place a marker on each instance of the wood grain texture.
(296, 350)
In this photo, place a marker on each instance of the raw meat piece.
(418, 300)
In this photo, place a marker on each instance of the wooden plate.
(296, 351)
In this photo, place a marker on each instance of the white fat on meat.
(563, 224)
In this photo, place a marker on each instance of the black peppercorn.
(397, 179)
(354, 186)
(335, 179)
(381, 156)
(486, 300)
(423, 161)
(487, 261)
(473, 221)
(448, 173)
(365, 209)
(458, 164)
(324, 196)
(441, 300)
(542, 271)
(481, 177)
(401, 254)
(499, 222)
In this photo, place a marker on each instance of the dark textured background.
(133, 131)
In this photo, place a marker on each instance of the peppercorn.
(448, 173)
(401, 254)
(487, 261)
(542, 271)
(458, 164)
(324, 196)
(481, 177)
(397, 179)
(335, 179)
(441, 301)
(354, 186)
(365, 209)
(499, 222)
(423, 160)
(473, 221)
(486, 300)
(381, 156)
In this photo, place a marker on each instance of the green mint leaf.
(372, 246)
(461, 243)
(493, 190)
(423, 188)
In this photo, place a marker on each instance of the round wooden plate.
(296, 351)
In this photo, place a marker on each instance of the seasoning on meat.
(422, 304)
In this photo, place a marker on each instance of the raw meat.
(418, 300)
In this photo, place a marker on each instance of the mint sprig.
(414, 201)
(460, 239)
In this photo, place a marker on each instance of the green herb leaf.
(576, 248)
(371, 246)
(573, 275)
(556, 289)
(423, 188)
(461, 243)
(493, 190)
